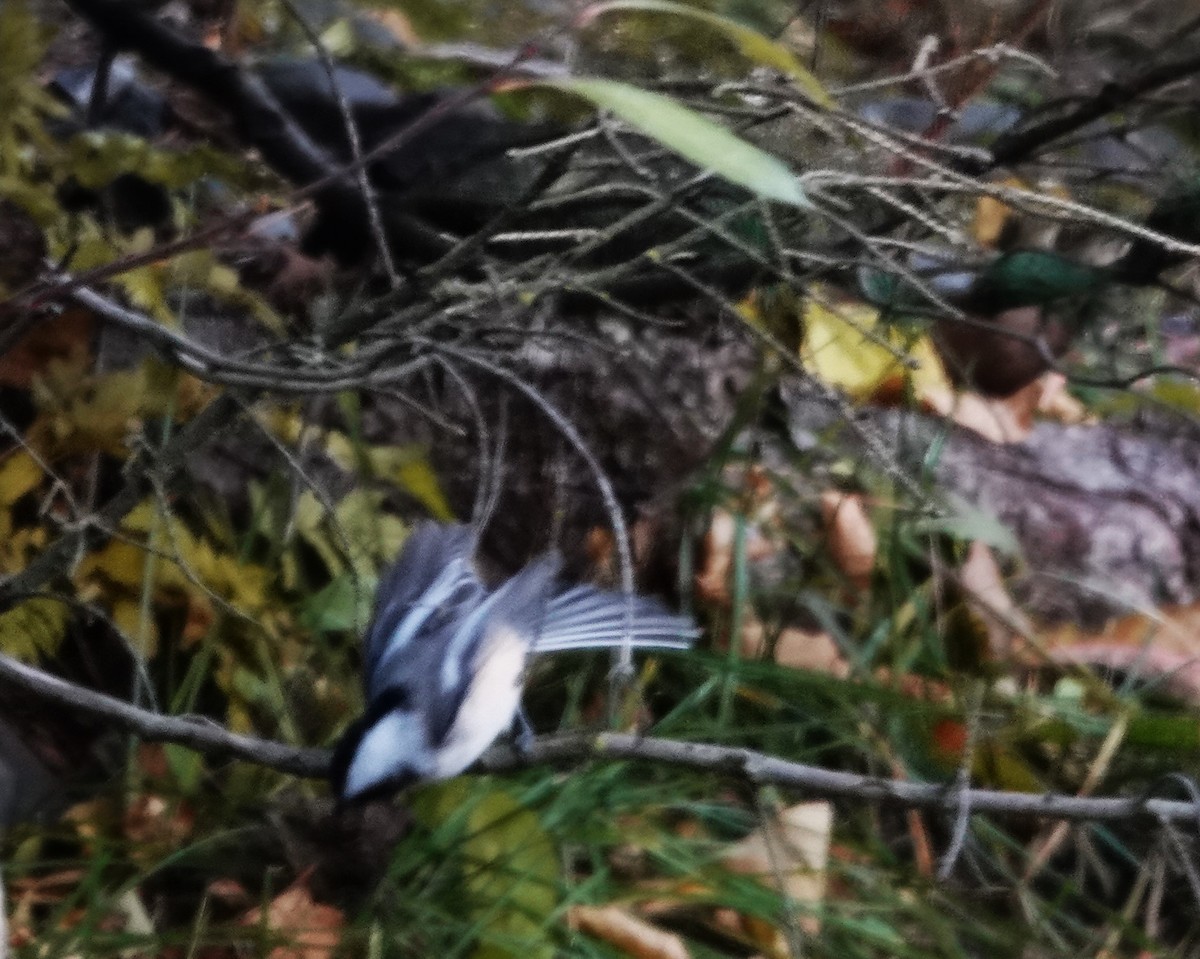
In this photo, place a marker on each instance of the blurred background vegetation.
(880, 319)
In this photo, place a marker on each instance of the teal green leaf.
(969, 523)
(694, 137)
(1034, 278)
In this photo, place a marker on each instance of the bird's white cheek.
(394, 745)
(489, 707)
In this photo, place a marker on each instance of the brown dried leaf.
(312, 930)
(714, 578)
(988, 598)
(850, 535)
(64, 339)
(795, 648)
(1163, 645)
(1007, 420)
(627, 932)
(791, 849)
(151, 821)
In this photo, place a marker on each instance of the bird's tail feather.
(585, 617)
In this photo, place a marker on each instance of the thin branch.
(210, 738)
(363, 178)
(624, 662)
(197, 733)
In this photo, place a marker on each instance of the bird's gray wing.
(431, 579)
(486, 651)
(586, 617)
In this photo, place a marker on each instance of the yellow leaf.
(847, 347)
(19, 474)
(309, 519)
(33, 627)
(18, 546)
(183, 570)
(141, 631)
(992, 214)
(409, 468)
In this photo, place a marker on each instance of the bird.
(445, 655)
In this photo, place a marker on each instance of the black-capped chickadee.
(445, 655)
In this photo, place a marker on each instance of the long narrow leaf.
(693, 136)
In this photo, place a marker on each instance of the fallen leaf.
(151, 822)
(309, 929)
(714, 577)
(19, 474)
(790, 852)
(850, 535)
(795, 648)
(848, 347)
(626, 932)
(229, 892)
(989, 600)
(64, 339)
(1007, 420)
(1160, 646)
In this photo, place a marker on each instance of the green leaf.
(969, 523)
(510, 865)
(373, 536)
(694, 137)
(752, 44)
(344, 605)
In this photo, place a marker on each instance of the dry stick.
(759, 768)
(1017, 145)
(197, 733)
(624, 664)
(355, 141)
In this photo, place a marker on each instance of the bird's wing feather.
(486, 646)
(586, 617)
(433, 575)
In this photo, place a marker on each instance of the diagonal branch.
(197, 733)
(1018, 145)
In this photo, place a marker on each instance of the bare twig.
(624, 664)
(193, 732)
(362, 177)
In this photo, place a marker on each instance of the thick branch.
(1018, 145)
(260, 121)
(210, 738)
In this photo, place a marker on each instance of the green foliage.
(694, 137)
(249, 612)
